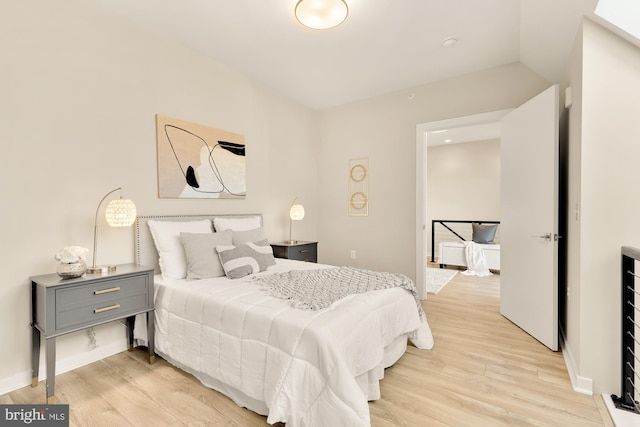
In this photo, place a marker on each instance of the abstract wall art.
(197, 161)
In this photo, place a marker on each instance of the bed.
(300, 367)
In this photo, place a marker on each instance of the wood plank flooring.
(482, 371)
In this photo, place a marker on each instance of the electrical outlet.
(353, 254)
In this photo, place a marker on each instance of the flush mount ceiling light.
(321, 14)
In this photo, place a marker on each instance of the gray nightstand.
(61, 306)
(299, 250)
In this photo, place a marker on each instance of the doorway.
(530, 202)
(424, 132)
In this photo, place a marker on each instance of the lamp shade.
(296, 213)
(120, 213)
(321, 14)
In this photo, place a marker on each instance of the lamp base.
(101, 269)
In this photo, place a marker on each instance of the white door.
(529, 217)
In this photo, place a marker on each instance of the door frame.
(421, 182)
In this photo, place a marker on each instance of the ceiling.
(383, 46)
(469, 133)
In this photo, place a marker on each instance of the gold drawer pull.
(304, 251)
(111, 307)
(106, 291)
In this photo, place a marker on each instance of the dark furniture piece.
(299, 250)
(61, 306)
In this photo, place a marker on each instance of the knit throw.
(318, 289)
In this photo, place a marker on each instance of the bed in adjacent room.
(314, 366)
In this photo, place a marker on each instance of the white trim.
(421, 211)
(23, 379)
(580, 384)
(620, 417)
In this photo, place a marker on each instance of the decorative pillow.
(242, 260)
(236, 224)
(484, 233)
(243, 237)
(166, 235)
(200, 251)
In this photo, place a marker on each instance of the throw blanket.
(476, 264)
(318, 289)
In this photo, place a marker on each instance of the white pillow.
(243, 237)
(166, 235)
(237, 224)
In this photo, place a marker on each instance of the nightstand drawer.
(77, 306)
(307, 252)
(102, 291)
(80, 316)
(299, 251)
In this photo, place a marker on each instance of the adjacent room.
(221, 211)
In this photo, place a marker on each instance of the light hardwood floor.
(482, 371)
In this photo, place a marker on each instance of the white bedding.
(300, 367)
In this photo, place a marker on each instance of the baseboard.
(23, 379)
(580, 384)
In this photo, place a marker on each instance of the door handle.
(546, 237)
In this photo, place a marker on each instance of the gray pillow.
(484, 233)
(243, 237)
(201, 255)
(242, 260)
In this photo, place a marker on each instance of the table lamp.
(296, 213)
(119, 213)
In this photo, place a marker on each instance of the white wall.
(80, 89)
(463, 182)
(384, 130)
(570, 322)
(604, 154)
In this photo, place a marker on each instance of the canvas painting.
(198, 161)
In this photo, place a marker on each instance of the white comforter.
(304, 368)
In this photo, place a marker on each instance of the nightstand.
(299, 250)
(61, 306)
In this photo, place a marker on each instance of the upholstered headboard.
(145, 249)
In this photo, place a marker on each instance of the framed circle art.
(358, 173)
(358, 200)
(358, 203)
